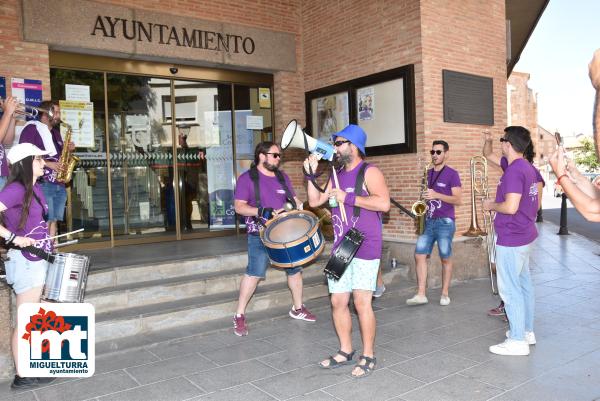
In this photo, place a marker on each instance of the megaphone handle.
(342, 208)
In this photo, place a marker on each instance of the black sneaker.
(24, 382)
(29, 382)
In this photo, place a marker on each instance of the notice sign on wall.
(80, 116)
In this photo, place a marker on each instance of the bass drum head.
(290, 227)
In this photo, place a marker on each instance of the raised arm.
(594, 68)
(488, 150)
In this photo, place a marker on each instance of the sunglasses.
(436, 152)
(504, 140)
(340, 143)
(275, 155)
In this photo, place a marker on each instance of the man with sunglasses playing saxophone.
(443, 194)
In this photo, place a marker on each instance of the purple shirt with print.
(272, 194)
(30, 134)
(538, 175)
(442, 182)
(518, 229)
(3, 162)
(12, 197)
(368, 223)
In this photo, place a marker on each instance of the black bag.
(344, 254)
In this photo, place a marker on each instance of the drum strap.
(360, 180)
(280, 178)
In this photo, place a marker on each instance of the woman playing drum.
(24, 209)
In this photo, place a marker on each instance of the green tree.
(586, 156)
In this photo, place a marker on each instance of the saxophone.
(67, 160)
(419, 208)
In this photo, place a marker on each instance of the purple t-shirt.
(518, 229)
(30, 134)
(442, 182)
(368, 223)
(538, 176)
(3, 162)
(12, 197)
(272, 194)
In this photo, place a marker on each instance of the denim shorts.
(23, 274)
(3, 181)
(440, 230)
(361, 274)
(258, 259)
(56, 197)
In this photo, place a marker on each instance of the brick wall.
(363, 38)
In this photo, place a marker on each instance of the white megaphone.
(294, 137)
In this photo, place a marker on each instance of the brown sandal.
(334, 363)
(367, 368)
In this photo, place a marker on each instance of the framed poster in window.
(329, 114)
(383, 104)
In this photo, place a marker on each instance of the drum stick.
(66, 243)
(342, 208)
(61, 235)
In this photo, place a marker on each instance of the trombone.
(27, 111)
(480, 189)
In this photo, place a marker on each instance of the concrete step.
(172, 289)
(148, 318)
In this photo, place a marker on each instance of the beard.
(344, 159)
(270, 167)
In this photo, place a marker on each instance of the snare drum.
(66, 278)
(293, 239)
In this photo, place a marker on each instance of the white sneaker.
(445, 300)
(529, 337)
(417, 300)
(511, 347)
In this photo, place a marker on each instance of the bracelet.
(11, 238)
(560, 178)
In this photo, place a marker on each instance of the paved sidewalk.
(424, 353)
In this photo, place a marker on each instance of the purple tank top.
(368, 222)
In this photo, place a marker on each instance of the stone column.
(7, 368)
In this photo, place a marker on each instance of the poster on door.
(219, 165)
(27, 91)
(80, 116)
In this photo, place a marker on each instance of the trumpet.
(480, 189)
(27, 110)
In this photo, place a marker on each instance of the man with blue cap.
(363, 205)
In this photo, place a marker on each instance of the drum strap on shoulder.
(254, 177)
(360, 180)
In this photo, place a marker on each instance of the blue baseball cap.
(354, 134)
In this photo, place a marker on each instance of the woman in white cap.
(24, 212)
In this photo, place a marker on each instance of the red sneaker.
(239, 325)
(498, 311)
(302, 314)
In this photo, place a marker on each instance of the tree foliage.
(586, 156)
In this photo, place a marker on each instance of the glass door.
(141, 157)
(204, 155)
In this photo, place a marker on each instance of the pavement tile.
(172, 390)
(505, 372)
(187, 346)
(315, 396)
(7, 394)
(476, 349)
(232, 375)
(241, 352)
(244, 392)
(418, 344)
(294, 357)
(453, 387)
(303, 381)
(84, 389)
(124, 359)
(167, 369)
(434, 366)
(382, 384)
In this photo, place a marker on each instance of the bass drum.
(293, 239)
